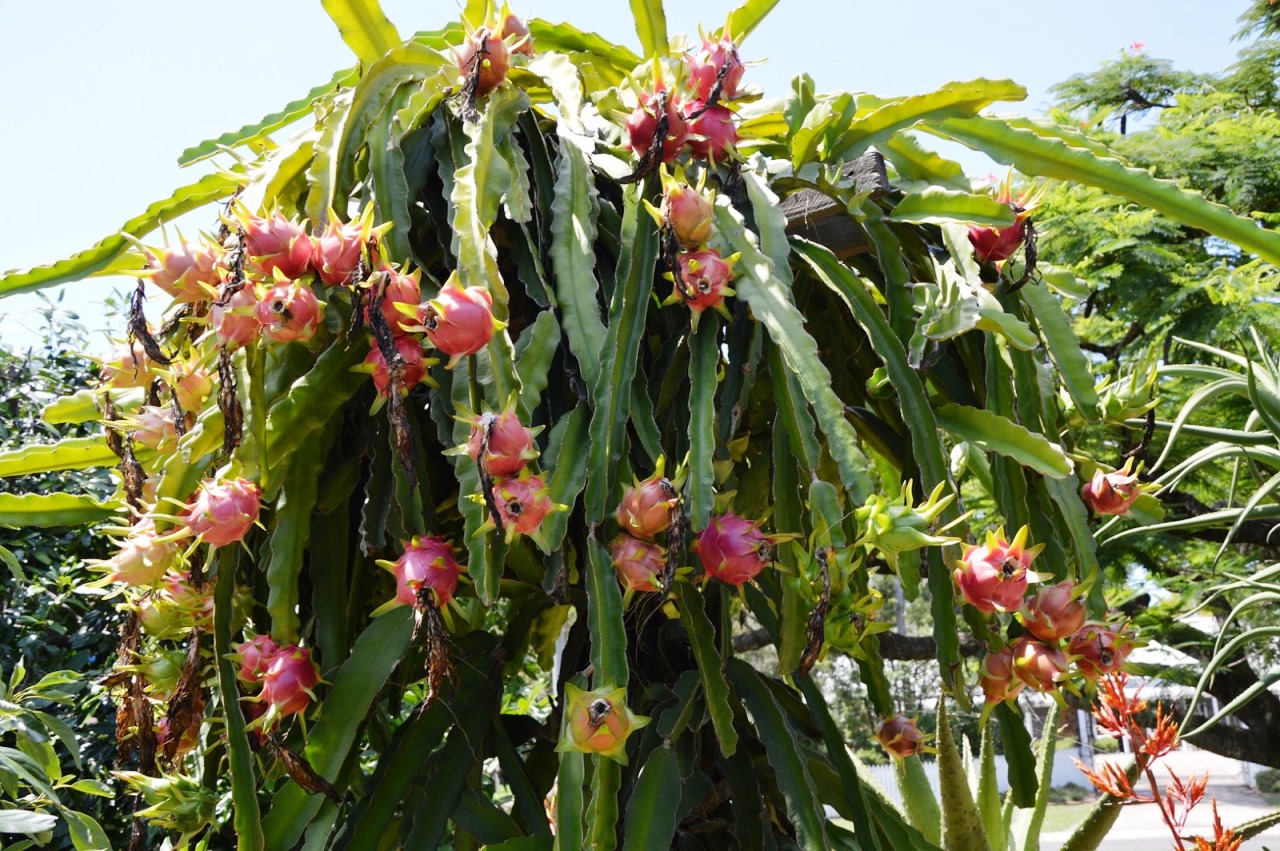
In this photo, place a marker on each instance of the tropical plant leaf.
(70, 453)
(364, 27)
(52, 509)
(651, 26)
(1035, 154)
(210, 188)
(744, 19)
(935, 205)
(1003, 436)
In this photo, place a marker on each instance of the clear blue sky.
(102, 97)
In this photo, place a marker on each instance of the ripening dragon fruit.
(1041, 666)
(1054, 612)
(639, 564)
(1098, 648)
(713, 133)
(646, 507)
(704, 67)
(1111, 493)
(523, 502)
(509, 445)
(253, 657)
(487, 48)
(997, 678)
(235, 323)
(415, 365)
(733, 549)
(287, 685)
(142, 559)
(223, 512)
(460, 321)
(288, 312)
(428, 563)
(186, 270)
(276, 244)
(642, 124)
(128, 366)
(900, 736)
(688, 212)
(993, 576)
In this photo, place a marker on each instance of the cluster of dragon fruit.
(264, 282)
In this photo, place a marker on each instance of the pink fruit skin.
(277, 243)
(289, 680)
(733, 549)
(223, 512)
(1098, 649)
(1039, 665)
(643, 123)
(688, 213)
(460, 321)
(713, 133)
(995, 245)
(288, 313)
(180, 270)
(401, 289)
(517, 31)
(154, 428)
(255, 657)
(129, 366)
(494, 56)
(522, 502)
(1111, 493)
(997, 677)
(704, 66)
(1052, 613)
(414, 368)
(193, 388)
(992, 578)
(335, 254)
(900, 736)
(639, 563)
(646, 508)
(510, 443)
(426, 563)
(704, 276)
(236, 323)
(141, 561)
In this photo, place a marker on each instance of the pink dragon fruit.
(223, 512)
(142, 559)
(900, 736)
(254, 657)
(1041, 666)
(515, 32)
(188, 271)
(688, 212)
(287, 685)
(276, 244)
(704, 280)
(459, 321)
(1111, 493)
(153, 427)
(643, 123)
(704, 68)
(733, 549)
(510, 444)
(993, 577)
(128, 366)
(996, 245)
(400, 301)
(997, 677)
(523, 502)
(1054, 613)
(415, 365)
(196, 603)
(486, 47)
(288, 312)
(236, 322)
(713, 133)
(640, 564)
(336, 253)
(646, 507)
(1099, 649)
(192, 386)
(426, 563)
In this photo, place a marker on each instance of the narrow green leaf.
(567, 38)
(313, 399)
(573, 259)
(602, 824)
(953, 99)
(772, 305)
(291, 533)
(651, 26)
(654, 803)
(936, 205)
(52, 509)
(1252, 828)
(11, 561)
(26, 821)
(744, 19)
(994, 433)
(569, 803)
(618, 353)
(386, 167)
(567, 459)
(710, 665)
(1044, 758)
(1023, 782)
(206, 190)
(252, 134)
(780, 744)
(962, 823)
(364, 27)
(1064, 347)
(535, 350)
(1034, 154)
(244, 790)
(988, 798)
(70, 453)
(704, 359)
(604, 614)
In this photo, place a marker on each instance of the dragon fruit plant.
(450, 528)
